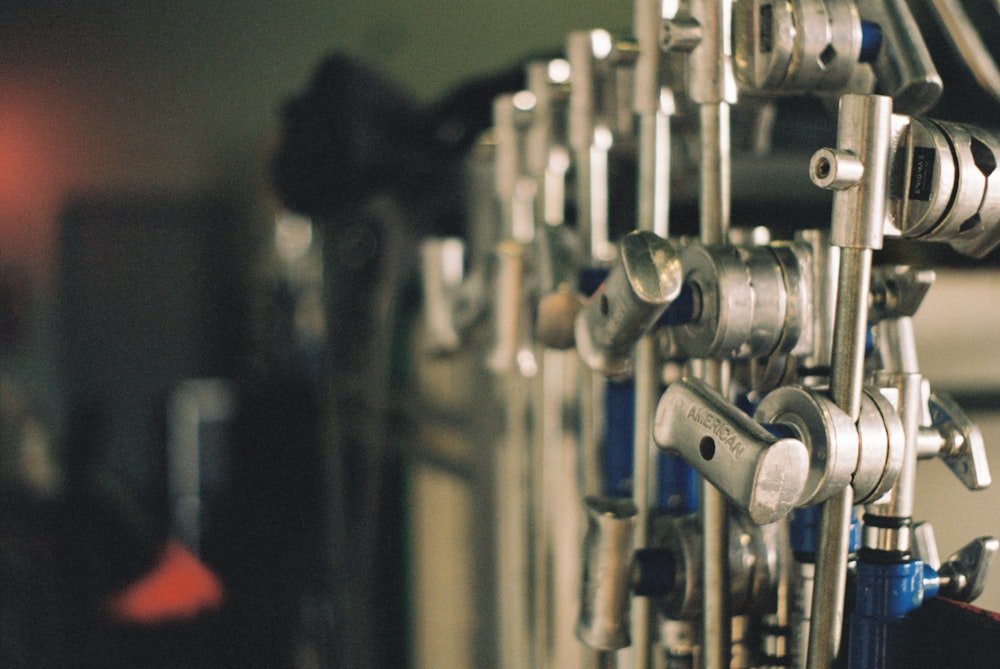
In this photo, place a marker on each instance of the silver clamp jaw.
(767, 476)
(944, 185)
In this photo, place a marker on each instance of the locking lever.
(762, 474)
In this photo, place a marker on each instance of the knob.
(628, 303)
(964, 450)
(963, 575)
(762, 474)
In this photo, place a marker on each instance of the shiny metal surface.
(754, 565)
(787, 321)
(827, 432)
(651, 97)
(864, 133)
(753, 301)
(711, 87)
(863, 128)
(946, 187)
(883, 447)
(603, 622)
(636, 292)
(902, 376)
(904, 68)
(826, 616)
(824, 267)
(762, 475)
(795, 47)
(964, 450)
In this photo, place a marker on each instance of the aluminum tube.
(863, 139)
(830, 580)
(904, 343)
(849, 330)
(653, 203)
(647, 20)
(714, 195)
(643, 489)
(846, 383)
(560, 533)
(716, 617)
(714, 208)
(899, 502)
(654, 173)
(911, 412)
(902, 374)
(538, 527)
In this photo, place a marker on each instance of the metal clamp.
(945, 185)
(751, 302)
(761, 474)
(626, 305)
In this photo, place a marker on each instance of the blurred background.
(174, 370)
(162, 325)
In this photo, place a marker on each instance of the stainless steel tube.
(716, 617)
(858, 173)
(714, 210)
(653, 199)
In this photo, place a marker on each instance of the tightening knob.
(897, 292)
(762, 474)
(963, 449)
(903, 66)
(963, 575)
(628, 303)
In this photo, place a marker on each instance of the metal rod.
(898, 344)
(714, 217)
(849, 332)
(653, 203)
(642, 488)
(863, 138)
(714, 188)
(830, 580)
(827, 617)
(716, 618)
